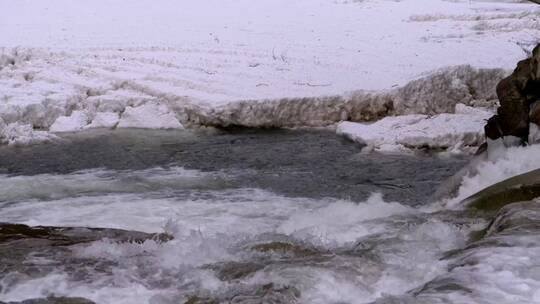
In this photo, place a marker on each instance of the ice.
(149, 116)
(75, 122)
(21, 134)
(104, 120)
(461, 131)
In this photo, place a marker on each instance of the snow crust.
(275, 63)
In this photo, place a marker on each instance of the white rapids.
(364, 252)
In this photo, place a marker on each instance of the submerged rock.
(268, 294)
(20, 244)
(285, 248)
(200, 300)
(229, 271)
(521, 217)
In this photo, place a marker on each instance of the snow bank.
(437, 93)
(461, 131)
(273, 64)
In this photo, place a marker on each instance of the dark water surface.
(297, 163)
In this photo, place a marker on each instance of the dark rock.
(58, 236)
(229, 271)
(19, 242)
(516, 93)
(268, 293)
(521, 217)
(54, 300)
(523, 187)
(197, 300)
(285, 248)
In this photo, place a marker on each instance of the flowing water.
(275, 216)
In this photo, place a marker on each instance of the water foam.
(512, 161)
(367, 251)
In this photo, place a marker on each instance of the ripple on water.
(240, 237)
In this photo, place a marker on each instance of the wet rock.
(284, 248)
(523, 187)
(268, 294)
(20, 244)
(229, 271)
(258, 294)
(442, 285)
(522, 217)
(197, 300)
(57, 236)
(53, 300)
(534, 114)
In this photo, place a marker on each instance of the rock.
(523, 187)
(268, 293)
(54, 300)
(450, 186)
(534, 126)
(534, 113)
(19, 242)
(198, 300)
(284, 248)
(60, 236)
(229, 271)
(523, 217)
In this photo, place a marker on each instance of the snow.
(460, 131)
(149, 116)
(104, 120)
(269, 63)
(21, 134)
(75, 122)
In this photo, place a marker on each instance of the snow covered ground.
(263, 63)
